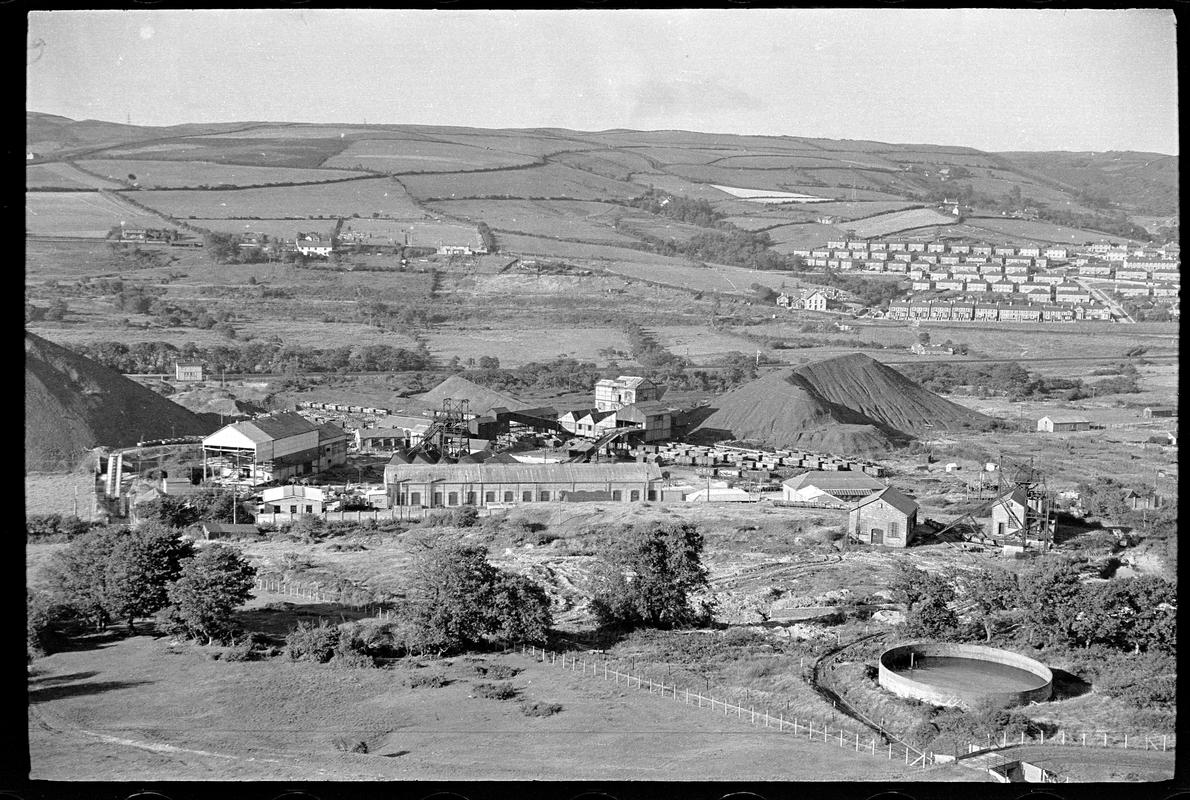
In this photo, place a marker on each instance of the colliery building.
(486, 484)
(273, 448)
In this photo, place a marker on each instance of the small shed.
(886, 517)
(1057, 423)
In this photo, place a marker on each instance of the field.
(297, 152)
(181, 174)
(1019, 230)
(885, 224)
(552, 181)
(82, 214)
(274, 228)
(587, 221)
(58, 175)
(408, 155)
(788, 238)
(421, 233)
(382, 196)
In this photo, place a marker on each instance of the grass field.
(137, 709)
(885, 224)
(548, 182)
(174, 174)
(294, 152)
(527, 142)
(411, 155)
(616, 164)
(788, 238)
(57, 175)
(364, 197)
(277, 228)
(819, 159)
(82, 214)
(306, 131)
(1018, 230)
(421, 232)
(588, 221)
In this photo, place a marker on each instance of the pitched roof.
(274, 426)
(894, 498)
(329, 430)
(631, 381)
(1064, 418)
(492, 471)
(830, 481)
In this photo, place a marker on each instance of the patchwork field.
(535, 143)
(885, 224)
(297, 152)
(412, 156)
(588, 221)
(382, 196)
(83, 214)
(547, 182)
(788, 238)
(179, 174)
(1020, 230)
(820, 159)
(59, 175)
(276, 228)
(616, 164)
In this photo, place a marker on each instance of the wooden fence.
(812, 729)
(354, 596)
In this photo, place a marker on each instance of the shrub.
(242, 650)
(537, 708)
(434, 680)
(309, 642)
(54, 527)
(496, 672)
(461, 517)
(495, 691)
(346, 744)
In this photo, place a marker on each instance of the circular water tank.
(963, 675)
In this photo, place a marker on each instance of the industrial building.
(612, 395)
(486, 484)
(886, 517)
(272, 448)
(1056, 423)
(292, 499)
(829, 487)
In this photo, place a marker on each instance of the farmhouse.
(273, 447)
(1056, 423)
(625, 390)
(829, 487)
(885, 517)
(188, 370)
(315, 246)
(435, 485)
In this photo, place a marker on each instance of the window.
(527, 497)
(508, 497)
(415, 498)
(489, 497)
(470, 498)
(452, 499)
(309, 508)
(894, 530)
(999, 528)
(652, 494)
(634, 494)
(437, 499)
(293, 509)
(617, 494)
(543, 496)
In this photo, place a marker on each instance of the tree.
(649, 576)
(77, 575)
(139, 569)
(169, 510)
(992, 592)
(927, 599)
(221, 246)
(458, 600)
(924, 337)
(1050, 600)
(212, 584)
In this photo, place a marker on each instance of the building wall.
(881, 516)
(447, 494)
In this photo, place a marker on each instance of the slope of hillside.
(885, 395)
(479, 398)
(73, 404)
(783, 410)
(1142, 183)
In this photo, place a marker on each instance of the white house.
(292, 499)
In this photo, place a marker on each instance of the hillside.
(73, 404)
(1139, 183)
(885, 395)
(479, 398)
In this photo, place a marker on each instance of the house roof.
(329, 430)
(492, 471)
(894, 498)
(1064, 418)
(830, 481)
(274, 426)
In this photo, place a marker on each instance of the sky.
(993, 79)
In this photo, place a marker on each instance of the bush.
(497, 672)
(242, 650)
(495, 691)
(537, 708)
(461, 517)
(434, 680)
(54, 527)
(309, 642)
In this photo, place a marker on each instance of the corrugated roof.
(329, 430)
(490, 472)
(276, 426)
(828, 480)
(893, 497)
(1064, 418)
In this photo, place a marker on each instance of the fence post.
(890, 751)
(857, 741)
(605, 670)
(1084, 740)
(753, 712)
(1125, 741)
(1163, 742)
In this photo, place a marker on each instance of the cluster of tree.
(54, 527)
(257, 356)
(1011, 380)
(487, 237)
(117, 574)
(869, 293)
(1048, 605)
(647, 351)
(649, 578)
(559, 373)
(207, 505)
(457, 600)
(683, 209)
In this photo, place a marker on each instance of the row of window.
(452, 498)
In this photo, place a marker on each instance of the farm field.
(59, 175)
(861, 208)
(885, 224)
(662, 228)
(766, 180)
(537, 143)
(383, 196)
(88, 215)
(299, 152)
(306, 131)
(412, 156)
(588, 221)
(516, 343)
(698, 341)
(552, 181)
(180, 174)
(788, 238)
(1020, 230)
(420, 232)
(275, 228)
(616, 164)
(145, 712)
(819, 159)
(542, 246)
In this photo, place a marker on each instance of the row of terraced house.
(966, 311)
